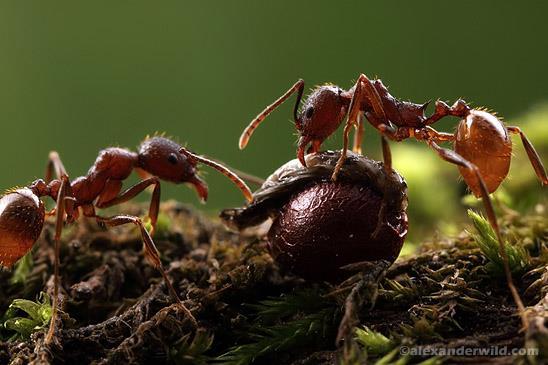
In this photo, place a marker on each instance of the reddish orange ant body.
(22, 213)
(482, 145)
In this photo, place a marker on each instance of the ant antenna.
(248, 131)
(223, 170)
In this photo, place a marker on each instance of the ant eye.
(309, 112)
(172, 158)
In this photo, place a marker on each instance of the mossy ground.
(117, 310)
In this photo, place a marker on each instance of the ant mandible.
(482, 145)
(22, 213)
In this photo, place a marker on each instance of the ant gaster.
(482, 144)
(22, 213)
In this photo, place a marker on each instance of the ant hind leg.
(135, 190)
(533, 155)
(456, 159)
(364, 290)
(151, 253)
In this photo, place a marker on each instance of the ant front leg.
(387, 158)
(54, 164)
(364, 93)
(386, 155)
(456, 159)
(358, 136)
(131, 193)
(151, 253)
(60, 211)
(536, 162)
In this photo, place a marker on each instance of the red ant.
(482, 145)
(22, 213)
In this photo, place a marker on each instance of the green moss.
(303, 318)
(36, 317)
(22, 269)
(375, 343)
(486, 240)
(163, 224)
(190, 350)
(295, 334)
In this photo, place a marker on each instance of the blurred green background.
(80, 76)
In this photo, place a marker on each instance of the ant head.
(320, 116)
(160, 156)
(322, 112)
(21, 221)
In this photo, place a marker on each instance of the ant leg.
(151, 253)
(358, 136)
(434, 135)
(342, 158)
(248, 131)
(387, 158)
(364, 290)
(223, 170)
(54, 164)
(388, 130)
(425, 133)
(60, 210)
(364, 91)
(456, 159)
(386, 155)
(533, 155)
(132, 192)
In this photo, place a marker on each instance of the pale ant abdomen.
(483, 140)
(22, 216)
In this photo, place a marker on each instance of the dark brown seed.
(329, 225)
